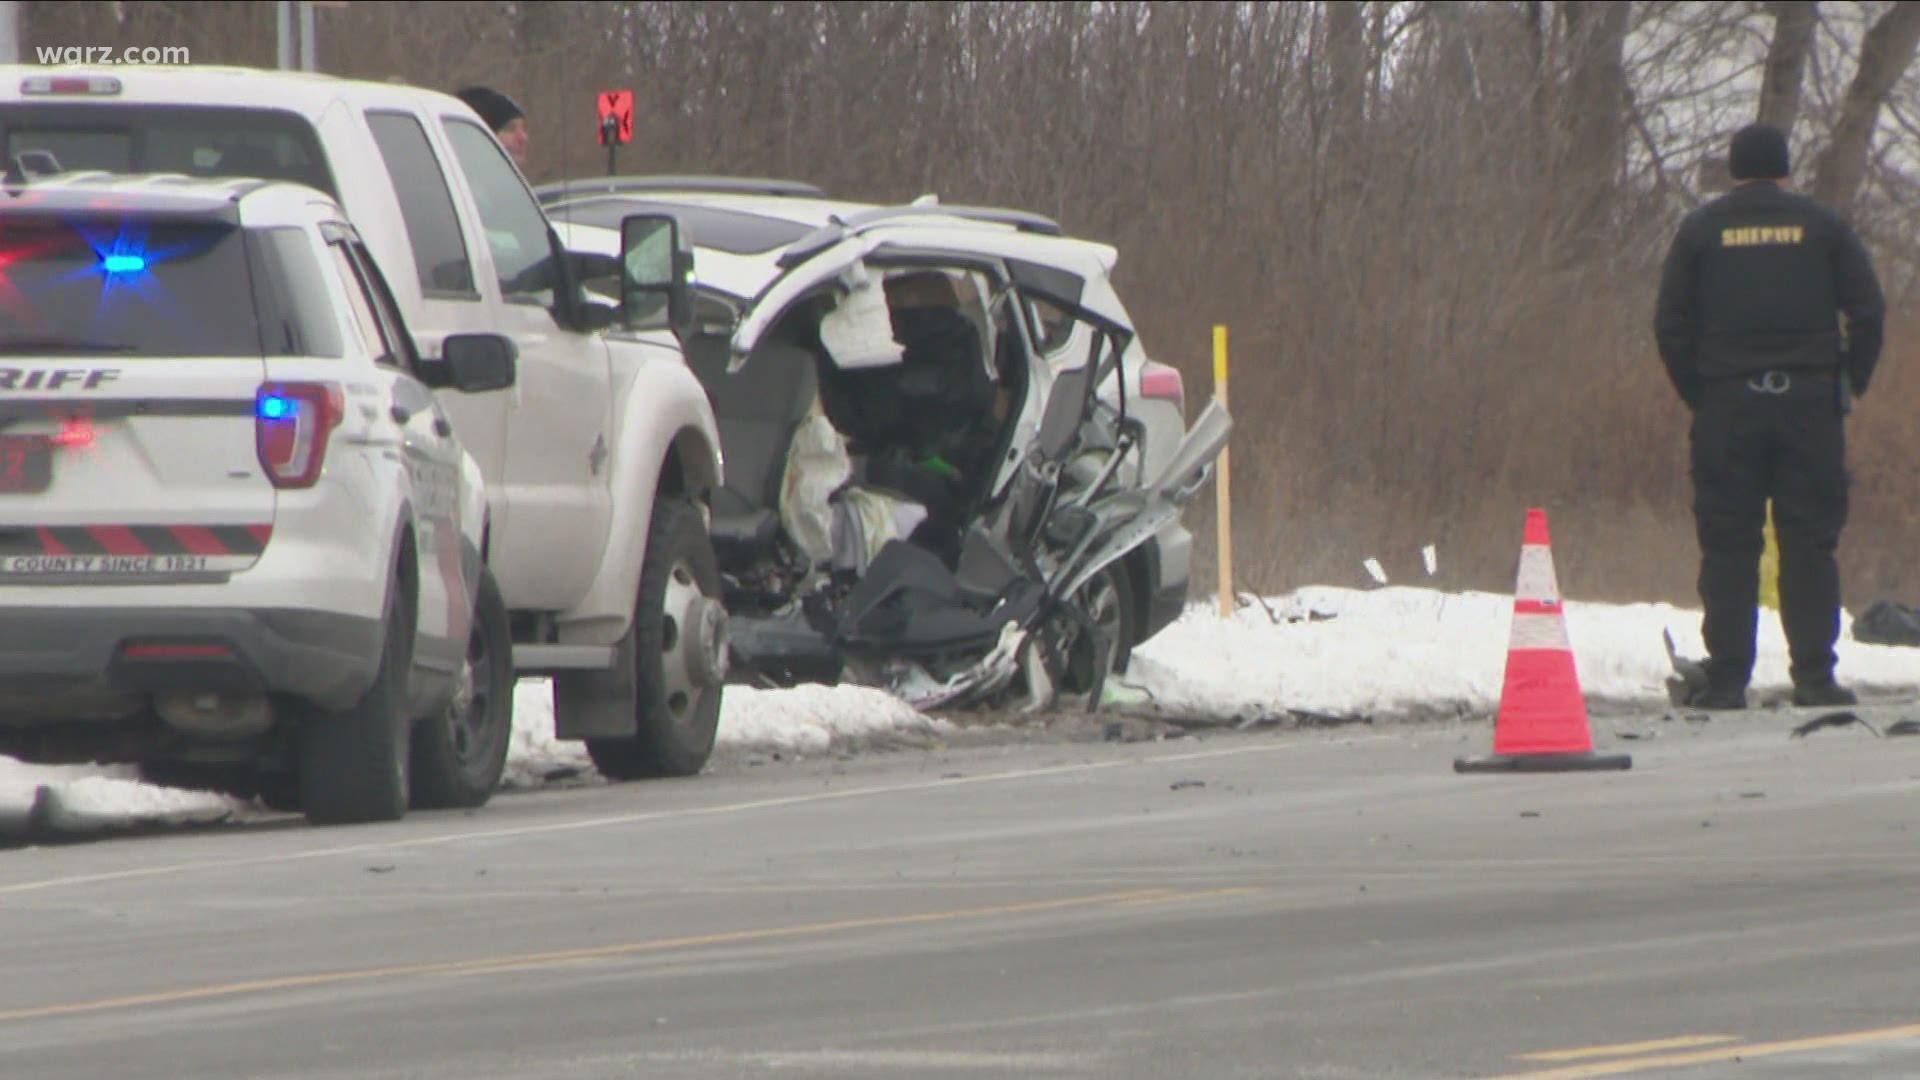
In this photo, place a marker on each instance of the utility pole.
(309, 48)
(9, 31)
(286, 33)
(299, 45)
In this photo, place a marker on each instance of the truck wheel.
(678, 648)
(459, 753)
(353, 764)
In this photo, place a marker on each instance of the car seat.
(758, 410)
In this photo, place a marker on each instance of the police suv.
(239, 539)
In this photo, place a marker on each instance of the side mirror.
(656, 273)
(473, 364)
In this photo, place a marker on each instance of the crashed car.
(951, 470)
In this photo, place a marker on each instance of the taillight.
(1163, 383)
(291, 424)
(76, 433)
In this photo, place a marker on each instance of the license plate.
(26, 464)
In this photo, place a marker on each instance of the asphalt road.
(1276, 905)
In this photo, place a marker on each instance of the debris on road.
(1833, 719)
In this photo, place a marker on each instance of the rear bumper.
(55, 660)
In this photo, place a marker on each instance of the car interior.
(929, 428)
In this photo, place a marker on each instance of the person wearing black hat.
(1748, 321)
(508, 122)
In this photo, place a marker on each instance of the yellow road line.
(1168, 896)
(402, 844)
(1580, 1053)
(567, 956)
(1725, 1053)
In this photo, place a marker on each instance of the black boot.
(1719, 686)
(1718, 697)
(1822, 691)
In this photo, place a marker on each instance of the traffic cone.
(1542, 723)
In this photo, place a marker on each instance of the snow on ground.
(1390, 652)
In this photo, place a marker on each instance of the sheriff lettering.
(23, 378)
(1759, 235)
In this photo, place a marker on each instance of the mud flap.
(599, 704)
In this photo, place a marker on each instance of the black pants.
(1749, 446)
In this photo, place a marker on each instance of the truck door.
(558, 441)
(437, 265)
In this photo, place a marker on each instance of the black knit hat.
(1759, 152)
(496, 108)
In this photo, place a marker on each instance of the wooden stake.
(1222, 492)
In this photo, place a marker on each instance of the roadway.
(1258, 904)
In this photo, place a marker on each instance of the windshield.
(197, 141)
(124, 287)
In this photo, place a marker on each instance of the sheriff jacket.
(1757, 280)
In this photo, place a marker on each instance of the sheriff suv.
(239, 539)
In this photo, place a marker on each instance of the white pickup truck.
(598, 461)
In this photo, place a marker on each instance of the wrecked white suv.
(949, 461)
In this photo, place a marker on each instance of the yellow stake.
(1770, 567)
(1223, 501)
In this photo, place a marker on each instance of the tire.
(279, 791)
(678, 668)
(353, 764)
(459, 753)
(1108, 599)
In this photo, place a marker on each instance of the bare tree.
(1885, 54)
(1594, 114)
(1793, 23)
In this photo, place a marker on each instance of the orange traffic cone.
(1542, 723)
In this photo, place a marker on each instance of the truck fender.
(668, 445)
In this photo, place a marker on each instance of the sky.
(1324, 651)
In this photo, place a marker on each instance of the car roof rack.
(832, 233)
(1023, 220)
(716, 185)
(218, 188)
(170, 196)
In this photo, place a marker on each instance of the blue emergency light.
(276, 407)
(120, 263)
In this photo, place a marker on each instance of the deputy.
(1749, 328)
(504, 116)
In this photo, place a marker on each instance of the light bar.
(99, 85)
